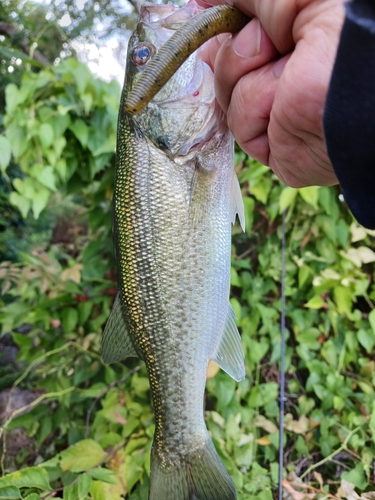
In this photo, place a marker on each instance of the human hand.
(271, 80)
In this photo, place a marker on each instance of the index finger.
(276, 17)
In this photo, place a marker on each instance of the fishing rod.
(282, 358)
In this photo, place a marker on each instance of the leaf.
(262, 394)
(371, 318)
(319, 478)
(310, 195)
(105, 146)
(5, 153)
(44, 175)
(9, 493)
(19, 185)
(366, 255)
(114, 484)
(261, 189)
(133, 473)
(82, 75)
(97, 490)
(328, 226)
(11, 97)
(46, 135)
(315, 302)
(84, 486)
(72, 273)
(303, 275)
(353, 255)
(338, 403)
(20, 202)
(32, 477)
(358, 232)
(264, 441)
(84, 311)
(105, 475)
(249, 205)
(297, 495)
(372, 421)
(356, 476)
(59, 144)
(79, 457)
(59, 123)
(348, 491)
(70, 492)
(17, 139)
(81, 131)
(69, 319)
(300, 426)
(343, 298)
(366, 339)
(40, 201)
(236, 308)
(287, 197)
(329, 353)
(265, 424)
(87, 102)
(330, 274)
(60, 167)
(45, 429)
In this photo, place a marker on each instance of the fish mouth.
(163, 21)
(184, 115)
(194, 101)
(198, 91)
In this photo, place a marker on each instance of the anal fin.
(229, 354)
(116, 341)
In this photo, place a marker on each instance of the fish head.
(184, 114)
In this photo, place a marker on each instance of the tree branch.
(12, 32)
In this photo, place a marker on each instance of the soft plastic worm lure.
(193, 34)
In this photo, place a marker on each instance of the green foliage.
(54, 115)
(91, 425)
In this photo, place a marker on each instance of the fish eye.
(142, 54)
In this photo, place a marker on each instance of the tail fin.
(202, 477)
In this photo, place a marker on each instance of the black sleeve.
(349, 115)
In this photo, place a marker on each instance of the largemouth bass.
(176, 196)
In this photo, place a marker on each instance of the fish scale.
(172, 227)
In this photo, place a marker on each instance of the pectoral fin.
(236, 200)
(116, 341)
(229, 354)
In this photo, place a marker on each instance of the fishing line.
(282, 359)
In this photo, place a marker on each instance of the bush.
(91, 425)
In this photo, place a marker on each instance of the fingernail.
(247, 42)
(223, 36)
(279, 66)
